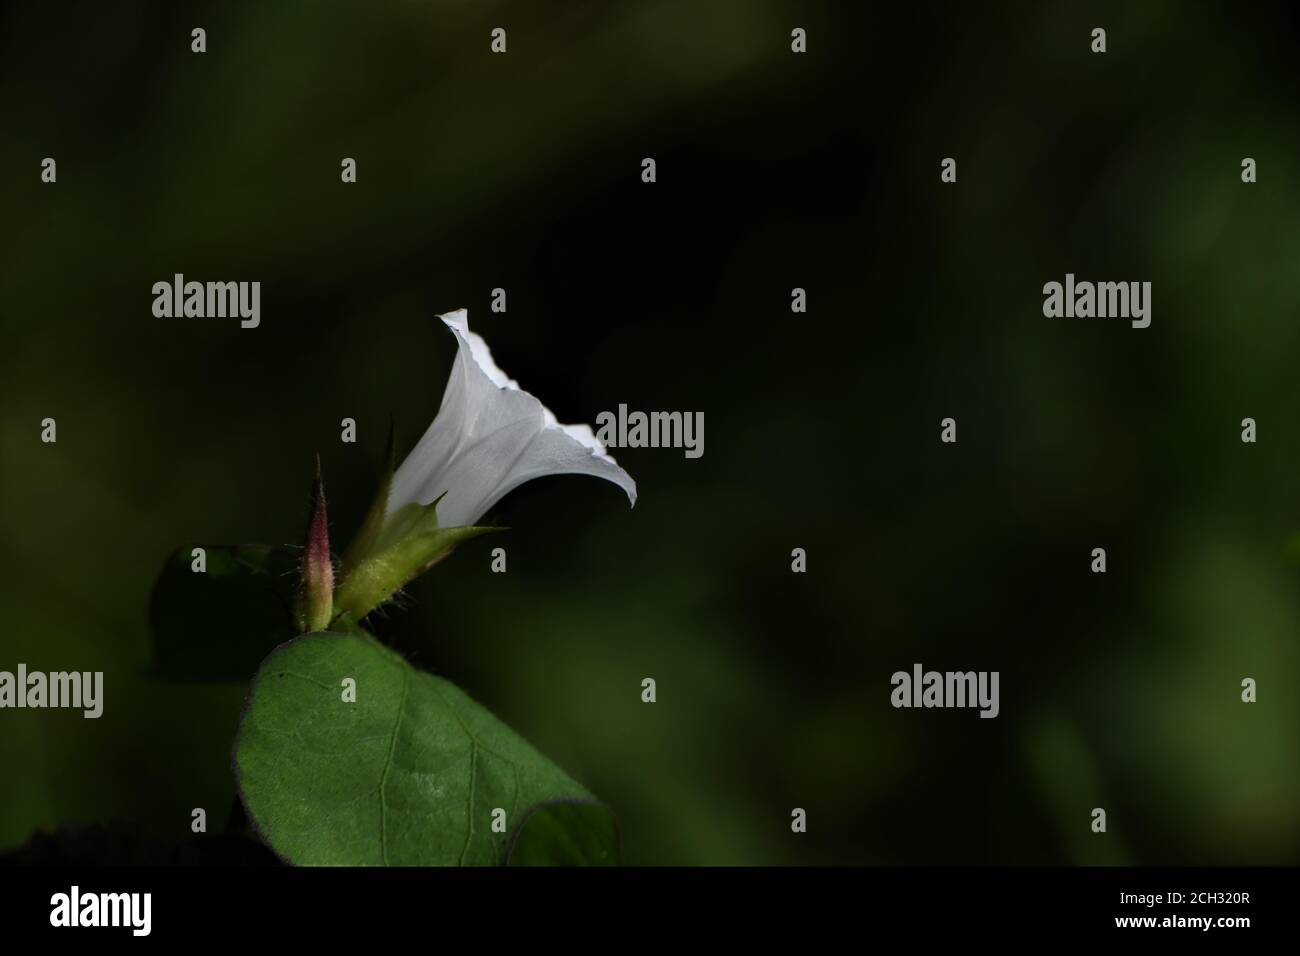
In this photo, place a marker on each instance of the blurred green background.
(774, 171)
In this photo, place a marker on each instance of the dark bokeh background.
(775, 171)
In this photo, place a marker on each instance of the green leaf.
(408, 774)
(409, 543)
(218, 624)
(567, 834)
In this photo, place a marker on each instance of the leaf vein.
(473, 768)
(310, 680)
(383, 776)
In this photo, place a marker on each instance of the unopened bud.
(315, 605)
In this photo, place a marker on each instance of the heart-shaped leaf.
(566, 834)
(215, 616)
(347, 755)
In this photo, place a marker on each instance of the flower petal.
(489, 437)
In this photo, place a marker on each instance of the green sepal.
(409, 543)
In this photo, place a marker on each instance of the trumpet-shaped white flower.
(488, 438)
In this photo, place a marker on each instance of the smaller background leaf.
(218, 625)
(567, 834)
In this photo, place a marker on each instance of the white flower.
(488, 438)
